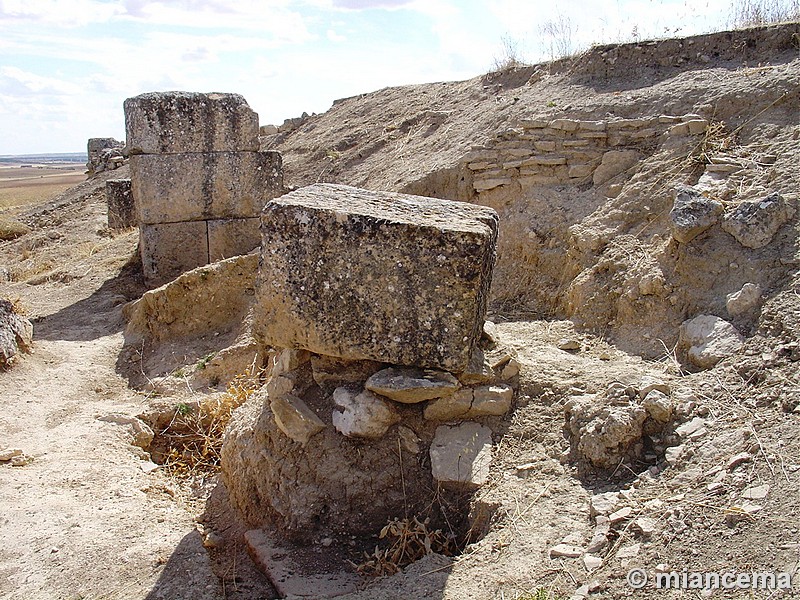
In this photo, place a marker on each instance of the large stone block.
(121, 209)
(171, 188)
(390, 277)
(232, 237)
(176, 122)
(170, 249)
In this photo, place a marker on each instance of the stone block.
(375, 275)
(121, 208)
(172, 188)
(177, 122)
(232, 237)
(461, 455)
(170, 249)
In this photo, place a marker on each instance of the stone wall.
(199, 182)
(104, 154)
(121, 209)
(559, 151)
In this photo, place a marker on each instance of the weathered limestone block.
(613, 163)
(410, 386)
(175, 122)
(375, 275)
(172, 188)
(103, 153)
(170, 249)
(232, 237)
(121, 208)
(461, 455)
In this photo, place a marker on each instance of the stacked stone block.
(199, 181)
(374, 306)
(119, 199)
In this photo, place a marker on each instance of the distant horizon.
(83, 155)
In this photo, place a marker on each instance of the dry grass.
(194, 436)
(408, 541)
(751, 13)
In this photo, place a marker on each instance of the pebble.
(592, 562)
(568, 344)
(213, 540)
(738, 459)
(565, 551)
(631, 551)
(620, 515)
(758, 492)
(9, 453)
(645, 525)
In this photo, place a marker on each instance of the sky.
(66, 66)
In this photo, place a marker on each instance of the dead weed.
(408, 541)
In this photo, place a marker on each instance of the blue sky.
(67, 65)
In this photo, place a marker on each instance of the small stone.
(648, 384)
(9, 453)
(709, 339)
(692, 213)
(599, 538)
(645, 526)
(450, 408)
(603, 504)
(592, 562)
(580, 593)
(621, 515)
(21, 460)
(326, 542)
(745, 300)
(658, 406)
(409, 439)
(491, 400)
(565, 551)
(410, 386)
(363, 415)
(461, 455)
(568, 344)
(758, 492)
(148, 466)
(478, 371)
(212, 539)
(630, 551)
(294, 418)
(673, 454)
(755, 222)
(738, 459)
(716, 487)
(690, 427)
(510, 371)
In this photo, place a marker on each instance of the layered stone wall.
(199, 182)
(559, 151)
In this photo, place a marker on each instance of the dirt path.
(84, 519)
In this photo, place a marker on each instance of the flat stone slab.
(410, 386)
(390, 277)
(171, 188)
(172, 122)
(461, 455)
(300, 572)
